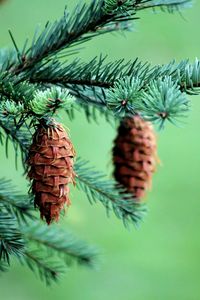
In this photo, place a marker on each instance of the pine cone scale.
(51, 169)
(56, 162)
(135, 155)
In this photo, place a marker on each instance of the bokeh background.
(160, 260)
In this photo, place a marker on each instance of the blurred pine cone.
(135, 155)
(51, 169)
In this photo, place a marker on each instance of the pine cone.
(51, 169)
(135, 155)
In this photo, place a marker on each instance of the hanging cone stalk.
(51, 169)
(135, 155)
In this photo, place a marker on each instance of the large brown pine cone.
(51, 169)
(135, 155)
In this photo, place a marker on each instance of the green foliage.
(190, 78)
(11, 88)
(88, 82)
(92, 73)
(157, 101)
(84, 23)
(118, 6)
(127, 6)
(125, 92)
(7, 59)
(48, 269)
(162, 101)
(19, 136)
(50, 251)
(20, 206)
(119, 86)
(45, 250)
(109, 193)
(48, 101)
(10, 108)
(11, 240)
(169, 6)
(57, 240)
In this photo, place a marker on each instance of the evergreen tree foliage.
(38, 80)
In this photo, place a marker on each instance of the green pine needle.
(163, 100)
(48, 270)
(118, 6)
(11, 109)
(11, 239)
(62, 242)
(112, 196)
(21, 206)
(122, 97)
(45, 103)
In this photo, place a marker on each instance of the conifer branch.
(15, 236)
(94, 73)
(20, 138)
(107, 192)
(20, 206)
(98, 74)
(8, 58)
(11, 239)
(121, 97)
(57, 240)
(70, 29)
(85, 22)
(48, 270)
(11, 88)
(185, 76)
(170, 6)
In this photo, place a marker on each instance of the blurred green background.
(160, 260)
